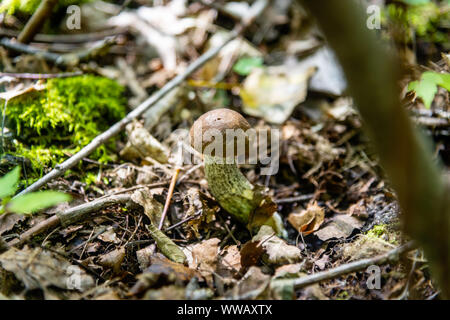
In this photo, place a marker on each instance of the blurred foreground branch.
(373, 75)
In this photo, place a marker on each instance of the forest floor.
(335, 203)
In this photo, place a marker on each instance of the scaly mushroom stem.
(237, 195)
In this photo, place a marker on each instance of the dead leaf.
(341, 227)
(142, 144)
(205, 257)
(152, 208)
(112, 259)
(109, 236)
(308, 220)
(253, 285)
(229, 262)
(9, 220)
(273, 92)
(143, 256)
(38, 268)
(277, 251)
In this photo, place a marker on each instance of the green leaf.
(416, 2)
(426, 88)
(245, 65)
(8, 183)
(35, 201)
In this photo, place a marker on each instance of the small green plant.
(58, 121)
(27, 203)
(29, 6)
(245, 65)
(426, 87)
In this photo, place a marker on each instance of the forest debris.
(152, 208)
(159, 25)
(142, 144)
(166, 245)
(236, 48)
(109, 236)
(308, 220)
(162, 269)
(341, 227)
(253, 285)
(329, 77)
(112, 259)
(9, 220)
(39, 268)
(143, 256)
(229, 262)
(273, 92)
(277, 251)
(199, 203)
(365, 247)
(205, 257)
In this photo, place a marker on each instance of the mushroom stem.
(230, 188)
(236, 194)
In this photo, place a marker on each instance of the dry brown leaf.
(112, 259)
(309, 220)
(277, 251)
(229, 261)
(205, 257)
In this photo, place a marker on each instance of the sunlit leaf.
(245, 65)
(8, 183)
(36, 201)
(416, 2)
(426, 88)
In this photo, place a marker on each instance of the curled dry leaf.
(277, 251)
(142, 144)
(273, 92)
(251, 254)
(152, 208)
(205, 257)
(161, 268)
(37, 268)
(112, 259)
(229, 261)
(308, 220)
(253, 285)
(198, 202)
(341, 227)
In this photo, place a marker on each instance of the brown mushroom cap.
(218, 120)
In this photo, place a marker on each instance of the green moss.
(52, 124)
(377, 231)
(29, 6)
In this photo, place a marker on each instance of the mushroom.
(213, 135)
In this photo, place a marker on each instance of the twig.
(388, 257)
(68, 59)
(70, 216)
(169, 197)
(137, 112)
(37, 20)
(68, 38)
(295, 199)
(38, 76)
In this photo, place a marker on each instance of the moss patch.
(51, 124)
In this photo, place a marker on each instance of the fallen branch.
(70, 216)
(65, 60)
(388, 257)
(37, 20)
(259, 6)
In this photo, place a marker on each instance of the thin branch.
(137, 112)
(68, 38)
(37, 20)
(388, 257)
(70, 216)
(38, 76)
(66, 60)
